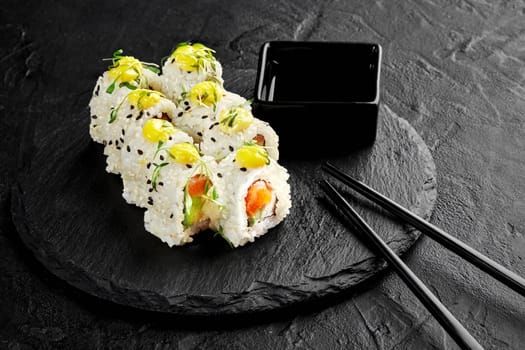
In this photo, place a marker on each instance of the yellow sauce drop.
(206, 93)
(155, 130)
(128, 69)
(235, 119)
(193, 57)
(251, 155)
(143, 98)
(184, 153)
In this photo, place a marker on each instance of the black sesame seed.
(243, 169)
(94, 117)
(119, 148)
(95, 125)
(148, 114)
(180, 114)
(171, 216)
(230, 148)
(204, 117)
(188, 72)
(116, 142)
(161, 157)
(150, 190)
(140, 115)
(213, 139)
(170, 138)
(219, 174)
(123, 132)
(172, 60)
(110, 142)
(189, 166)
(139, 151)
(187, 108)
(128, 148)
(186, 103)
(199, 133)
(213, 125)
(148, 165)
(161, 183)
(131, 107)
(121, 140)
(97, 89)
(148, 182)
(129, 116)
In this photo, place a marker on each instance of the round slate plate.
(70, 213)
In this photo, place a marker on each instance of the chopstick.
(468, 253)
(454, 328)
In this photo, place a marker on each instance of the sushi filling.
(196, 193)
(259, 139)
(260, 202)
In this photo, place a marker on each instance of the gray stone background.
(454, 69)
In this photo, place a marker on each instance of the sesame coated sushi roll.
(124, 75)
(236, 126)
(207, 104)
(199, 108)
(188, 65)
(135, 108)
(143, 153)
(181, 190)
(254, 195)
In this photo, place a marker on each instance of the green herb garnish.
(230, 118)
(151, 66)
(220, 232)
(126, 84)
(114, 112)
(156, 173)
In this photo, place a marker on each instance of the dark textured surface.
(453, 69)
(81, 229)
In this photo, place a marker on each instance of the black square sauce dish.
(322, 98)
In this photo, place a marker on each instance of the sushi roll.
(145, 151)
(223, 115)
(235, 126)
(135, 108)
(200, 107)
(254, 194)
(182, 189)
(124, 75)
(188, 64)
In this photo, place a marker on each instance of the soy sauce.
(317, 72)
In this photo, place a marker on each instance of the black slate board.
(70, 213)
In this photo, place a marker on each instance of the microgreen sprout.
(220, 232)
(156, 173)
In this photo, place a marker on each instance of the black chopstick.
(454, 328)
(491, 267)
